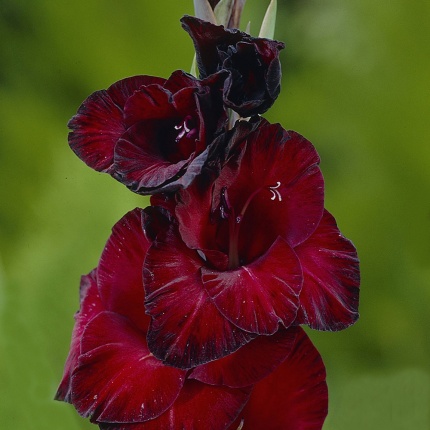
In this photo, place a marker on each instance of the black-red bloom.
(150, 133)
(112, 377)
(248, 252)
(254, 79)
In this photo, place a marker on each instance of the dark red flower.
(112, 377)
(251, 251)
(293, 397)
(149, 133)
(254, 79)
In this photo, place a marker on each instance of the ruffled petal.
(120, 278)
(249, 364)
(293, 397)
(90, 306)
(279, 169)
(253, 64)
(329, 298)
(198, 407)
(118, 379)
(186, 328)
(273, 183)
(259, 296)
(99, 122)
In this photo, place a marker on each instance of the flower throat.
(227, 212)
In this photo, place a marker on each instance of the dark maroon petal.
(198, 407)
(329, 298)
(99, 122)
(139, 163)
(280, 170)
(259, 296)
(206, 38)
(120, 268)
(249, 364)
(149, 103)
(255, 79)
(293, 397)
(90, 306)
(253, 64)
(186, 328)
(273, 182)
(118, 379)
(194, 214)
(157, 219)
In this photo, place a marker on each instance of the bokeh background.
(356, 83)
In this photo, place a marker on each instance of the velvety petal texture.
(120, 282)
(99, 122)
(118, 379)
(329, 298)
(191, 319)
(90, 306)
(250, 364)
(293, 397)
(199, 407)
(260, 296)
(149, 133)
(271, 187)
(253, 64)
(186, 329)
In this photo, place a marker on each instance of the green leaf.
(223, 11)
(267, 29)
(203, 10)
(194, 70)
(248, 28)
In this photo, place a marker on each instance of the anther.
(275, 192)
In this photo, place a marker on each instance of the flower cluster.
(191, 319)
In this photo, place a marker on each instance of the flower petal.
(198, 407)
(259, 296)
(139, 163)
(249, 364)
(118, 379)
(283, 166)
(90, 306)
(293, 397)
(120, 278)
(272, 180)
(329, 298)
(99, 122)
(186, 327)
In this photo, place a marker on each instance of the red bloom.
(254, 79)
(112, 377)
(253, 250)
(150, 133)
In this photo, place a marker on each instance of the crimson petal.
(331, 278)
(90, 306)
(198, 407)
(293, 397)
(249, 364)
(120, 268)
(99, 122)
(259, 296)
(118, 379)
(283, 165)
(186, 328)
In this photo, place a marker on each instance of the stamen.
(224, 207)
(185, 129)
(275, 192)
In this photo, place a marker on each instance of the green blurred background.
(356, 83)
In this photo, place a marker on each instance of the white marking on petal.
(275, 192)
